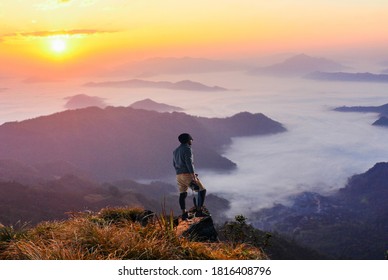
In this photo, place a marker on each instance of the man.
(185, 175)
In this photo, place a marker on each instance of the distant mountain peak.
(82, 101)
(299, 65)
(348, 77)
(299, 57)
(137, 83)
(149, 104)
(382, 121)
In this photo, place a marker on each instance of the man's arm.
(188, 157)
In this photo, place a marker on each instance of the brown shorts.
(184, 180)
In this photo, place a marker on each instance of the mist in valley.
(319, 151)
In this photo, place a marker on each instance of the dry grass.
(113, 234)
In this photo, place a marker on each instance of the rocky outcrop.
(199, 229)
(202, 229)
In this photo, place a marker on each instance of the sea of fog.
(320, 150)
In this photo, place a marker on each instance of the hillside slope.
(45, 200)
(350, 224)
(124, 143)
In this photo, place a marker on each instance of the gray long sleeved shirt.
(183, 159)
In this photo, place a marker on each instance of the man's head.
(185, 138)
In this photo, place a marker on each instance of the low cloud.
(319, 152)
(37, 80)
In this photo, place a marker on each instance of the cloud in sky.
(50, 33)
(52, 5)
(200, 28)
(49, 5)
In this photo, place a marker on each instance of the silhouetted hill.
(275, 246)
(83, 101)
(382, 110)
(382, 121)
(12, 170)
(16, 171)
(24, 203)
(148, 104)
(348, 77)
(136, 83)
(299, 65)
(117, 143)
(45, 199)
(350, 224)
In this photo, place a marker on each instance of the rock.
(199, 229)
(202, 230)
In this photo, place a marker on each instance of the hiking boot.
(185, 216)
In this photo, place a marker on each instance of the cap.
(184, 138)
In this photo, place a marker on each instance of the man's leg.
(183, 181)
(200, 200)
(182, 201)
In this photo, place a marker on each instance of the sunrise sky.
(51, 35)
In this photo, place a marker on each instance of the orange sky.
(97, 33)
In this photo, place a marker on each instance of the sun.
(58, 45)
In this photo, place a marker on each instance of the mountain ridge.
(83, 101)
(119, 142)
(382, 110)
(348, 77)
(138, 83)
(149, 104)
(299, 65)
(348, 224)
